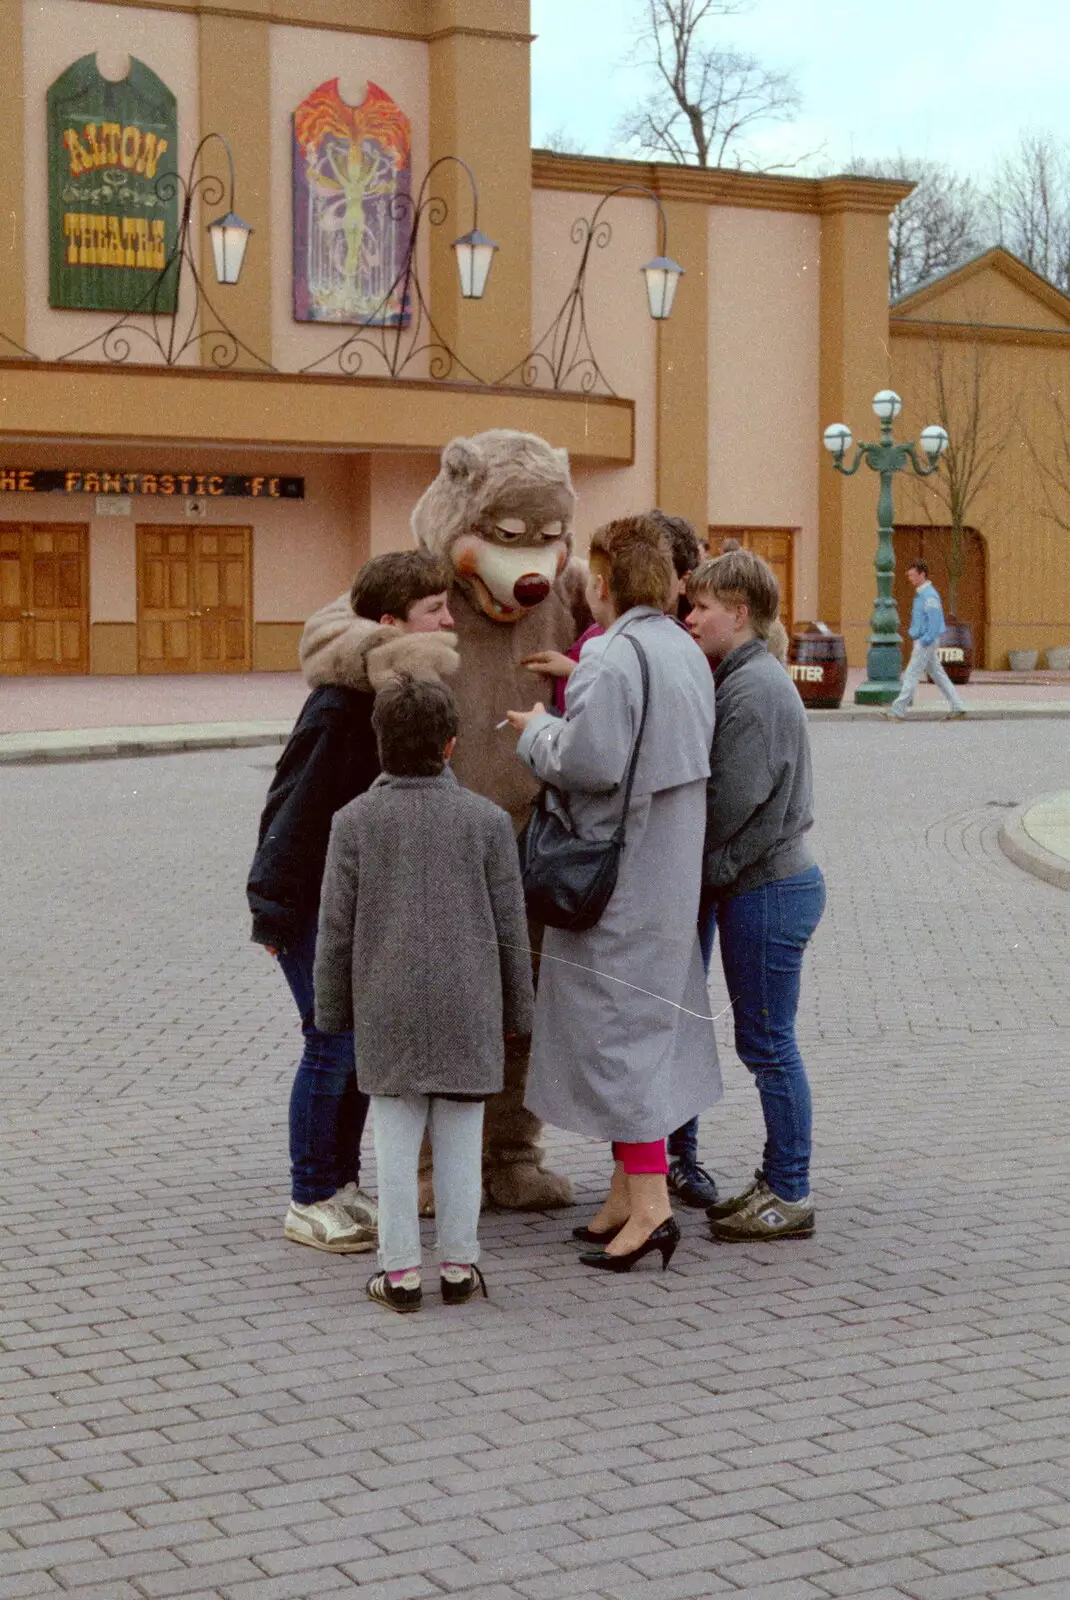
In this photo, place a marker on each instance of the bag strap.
(645, 671)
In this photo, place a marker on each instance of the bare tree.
(705, 100)
(1030, 206)
(979, 419)
(1053, 470)
(938, 226)
(561, 143)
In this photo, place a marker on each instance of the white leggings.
(455, 1128)
(924, 659)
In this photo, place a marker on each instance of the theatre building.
(190, 466)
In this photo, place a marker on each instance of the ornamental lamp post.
(883, 660)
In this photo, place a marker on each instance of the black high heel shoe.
(664, 1238)
(592, 1236)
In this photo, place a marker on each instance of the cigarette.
(504, 723)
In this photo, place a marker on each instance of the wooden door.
(194, 599)
(223, 603)
(44, 599)
(933, 545)
(775, 545)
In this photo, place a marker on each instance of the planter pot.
(1058, 660)
(955, 650)
(1023, 660)
(818, 666)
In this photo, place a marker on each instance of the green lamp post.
(883, 660)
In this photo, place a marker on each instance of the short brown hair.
(740, 578)
(919, 566)
(413, 718)
(390, 585)
(634, 557)
(683, 541)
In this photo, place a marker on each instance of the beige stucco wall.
(302, 59)
(763, 378)
(396, 482)
(622, 334)
(56, 34)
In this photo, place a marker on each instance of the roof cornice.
(717, 186)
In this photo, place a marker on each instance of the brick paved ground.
(192, 1407)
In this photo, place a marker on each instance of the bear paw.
(518, 1182)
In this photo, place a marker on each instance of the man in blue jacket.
(926, 626)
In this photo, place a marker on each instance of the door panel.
(194, 600)
(44, 599)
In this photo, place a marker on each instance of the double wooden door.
(194, 599)
(44, 599)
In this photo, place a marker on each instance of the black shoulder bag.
(568, 881)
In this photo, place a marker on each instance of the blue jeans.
(327, 1110)
(764, 935)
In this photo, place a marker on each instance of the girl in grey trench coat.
(623, 1046)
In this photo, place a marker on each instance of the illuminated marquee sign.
(90, 480)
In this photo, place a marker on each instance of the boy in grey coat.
(422, 950)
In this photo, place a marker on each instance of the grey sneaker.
(326, 1225)
(360, 1206)
(728, 1208)
(765, 1216)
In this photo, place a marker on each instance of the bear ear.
(463, 462)
(562, 456)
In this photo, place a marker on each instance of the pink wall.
(763, 384)
(301, 59)
(622, 334)
(56, 34)
(397, 482)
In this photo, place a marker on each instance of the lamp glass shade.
(475, 256)
(229, 235)
(887, 405)
(934, 441)
(837, 439)
(662, 276)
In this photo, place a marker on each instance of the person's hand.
(520, 719)
(553, 663)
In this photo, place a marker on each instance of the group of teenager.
(392, 899)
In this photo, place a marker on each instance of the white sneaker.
(326, 1225)
(360, 1206)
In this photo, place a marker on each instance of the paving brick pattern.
(192, 1407)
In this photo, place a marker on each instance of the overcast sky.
(955, 80)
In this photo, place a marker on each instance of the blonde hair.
(633, 556)
(776, 641)
(740, 578)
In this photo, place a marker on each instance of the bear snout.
(531, 589)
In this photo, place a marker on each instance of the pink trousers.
(641, 1158)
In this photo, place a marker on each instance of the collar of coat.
(738, 658)
(397, 780)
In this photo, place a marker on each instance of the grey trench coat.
(623, 1045)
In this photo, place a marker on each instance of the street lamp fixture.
(883, 661)
(475, 257)
(564, 357)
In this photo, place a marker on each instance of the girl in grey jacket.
(423, 951)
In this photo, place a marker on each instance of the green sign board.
(110, 233)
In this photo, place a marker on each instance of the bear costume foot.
(517, 1181)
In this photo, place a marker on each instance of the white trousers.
(455, 1128)
(924, 659)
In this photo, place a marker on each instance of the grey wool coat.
(423, 944)
(623, 1045)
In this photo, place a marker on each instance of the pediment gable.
(995, 289)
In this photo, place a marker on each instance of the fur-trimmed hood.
(339, 647)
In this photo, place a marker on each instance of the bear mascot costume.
(499, 514)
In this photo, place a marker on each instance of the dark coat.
(422, 946)
(331, 757)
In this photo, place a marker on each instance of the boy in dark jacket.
(331, 758)
(423, 952)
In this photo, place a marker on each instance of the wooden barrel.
(955, 649)
(818, 665)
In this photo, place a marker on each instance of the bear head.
(500, 512)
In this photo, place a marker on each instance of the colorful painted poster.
(352, 222)
(110, 234)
